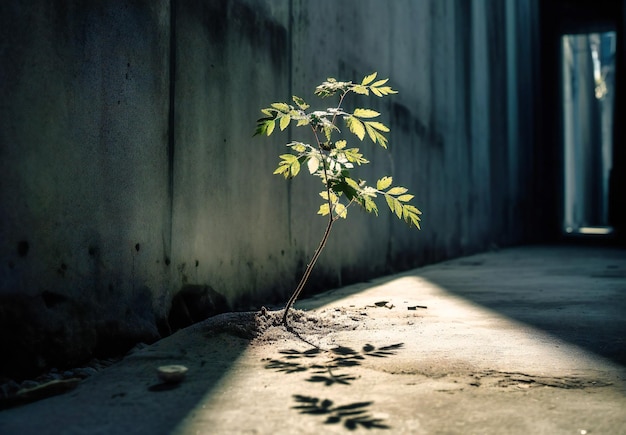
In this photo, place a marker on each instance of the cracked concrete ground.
(524, 340)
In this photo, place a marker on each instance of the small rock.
(48, 377)
(137, 348)
(172, 373)
(85, 372)
(48, 389)
(28, 384)
(9, 388)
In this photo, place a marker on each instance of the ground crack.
(524, 381)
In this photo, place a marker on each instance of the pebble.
(28, 384)
(172, 373)
(85, 372)
(9, 387)
(137, 348)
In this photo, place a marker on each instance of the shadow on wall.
(51, 330)
(192, 304)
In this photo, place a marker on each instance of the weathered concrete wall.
(452, 142)
(130, 171)
(229, 219)
(83, 156)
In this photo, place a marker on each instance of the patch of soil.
(265, 326)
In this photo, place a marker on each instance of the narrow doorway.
(588, 65)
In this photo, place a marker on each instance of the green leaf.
(265, 126)
(353, 155)
(382, 140)
(379, 83)
(397, 190)
(313, 164)
(284, 122)
(282, 170)
(340, 144)
(300, 102)
(324, 209)
(390, 203)
(328, 132)
(353, 184)
(398, 208)
(386, 90)
(283, 107)
(333, 198)
(288, 157)
(371, 133)
(394, 205)
(342, 187)
(408, 212)
(295, 168)
(412, 209)
(341, 210)
(303, 121)
(405, 198)
(384, 183)
(368, 79)
(370, 205)
(360, 89)
(378, 125)
(356, 127)
(365, 113)
(298, 147)
(270, 127)
(411, 215)
(372, 128)
(289, 166)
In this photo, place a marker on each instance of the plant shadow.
(332, 367)
(337, 358)
(353, 415)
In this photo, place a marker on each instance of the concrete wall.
(83, 156)
(130, 171)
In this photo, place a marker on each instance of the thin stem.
(339, 105)
(331, 221)
(308, 270)
(320, 248)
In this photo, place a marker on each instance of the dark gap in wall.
(51, 299)
(195, 303)
(22, 248)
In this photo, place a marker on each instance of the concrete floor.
(528, 340)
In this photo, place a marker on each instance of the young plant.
(332, 160)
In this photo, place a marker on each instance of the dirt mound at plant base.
(266, 326)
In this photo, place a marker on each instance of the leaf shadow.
(332, 367)
(337, 358)
(352, 415)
